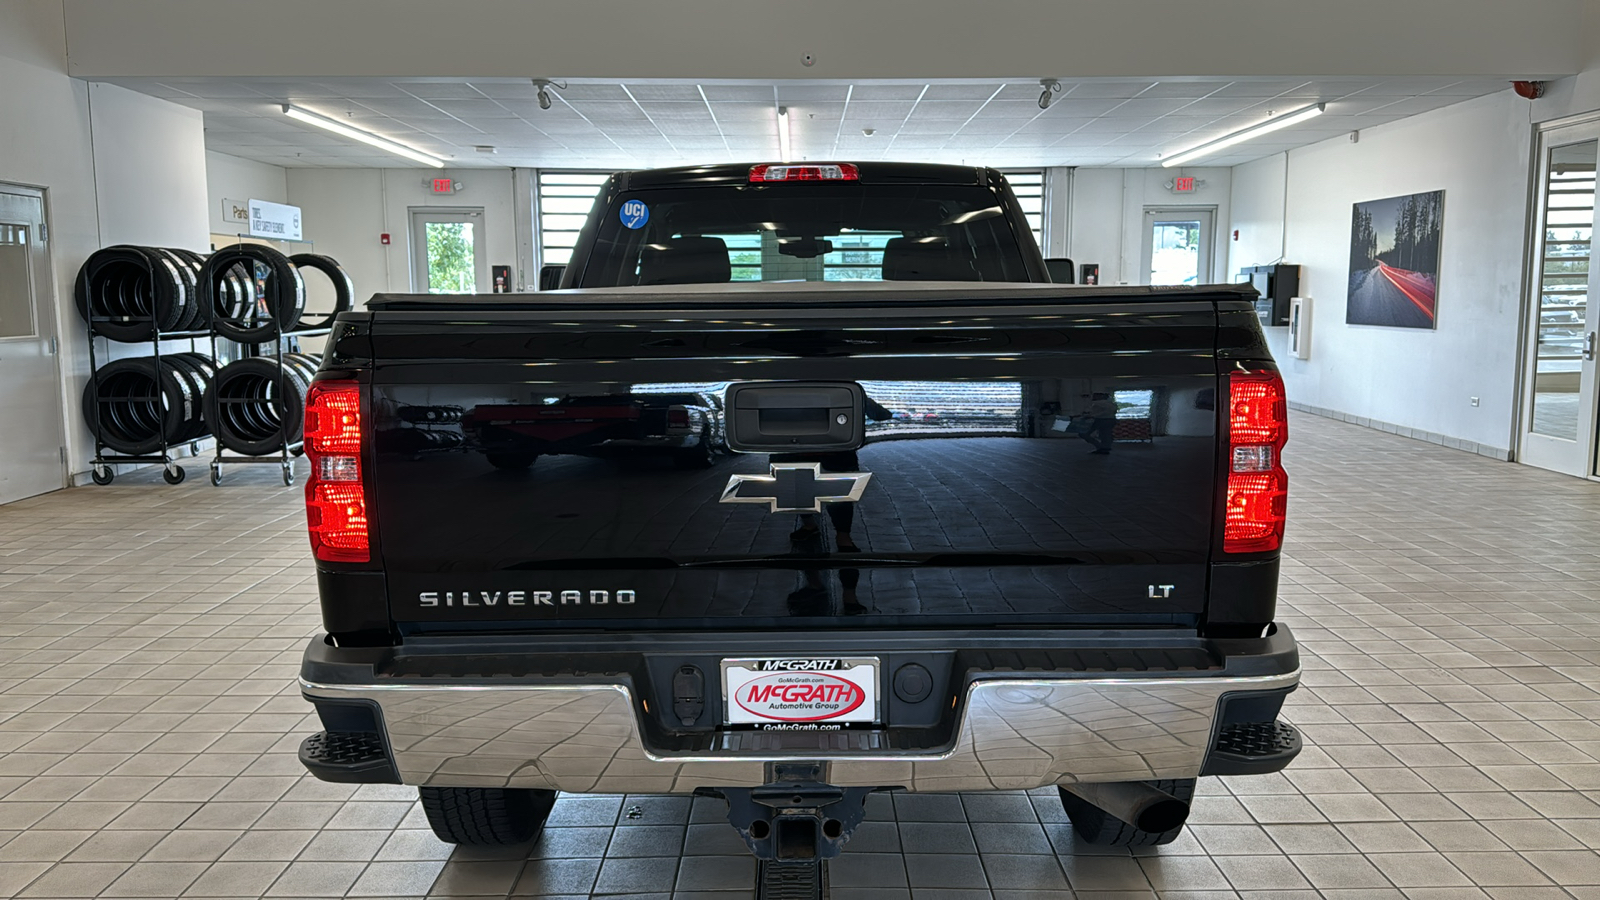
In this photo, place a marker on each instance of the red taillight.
(1258, 487)
(825, 172)
(336, 500)
(677, 417)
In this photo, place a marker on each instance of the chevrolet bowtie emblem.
(796, 487)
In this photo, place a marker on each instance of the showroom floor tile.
(1448, 608)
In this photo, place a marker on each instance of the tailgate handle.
(790, 416)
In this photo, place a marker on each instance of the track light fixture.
(544, 94)
(1051, 86)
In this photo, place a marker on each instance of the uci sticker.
(635, 214)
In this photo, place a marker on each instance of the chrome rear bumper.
(1014, 733)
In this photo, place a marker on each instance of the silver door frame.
(47, 310)
(419, 254)
(1532, 259)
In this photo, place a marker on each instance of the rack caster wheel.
(288, 476)
(102, 474)
(216, 474)
(173, 475)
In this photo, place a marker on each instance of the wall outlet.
(1474, 401)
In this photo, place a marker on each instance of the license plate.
(800, 692)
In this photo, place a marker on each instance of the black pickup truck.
(955, 528)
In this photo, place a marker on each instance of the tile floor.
(1447, 607)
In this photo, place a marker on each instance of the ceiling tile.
(684, 93)
(1114, 90)
(441, 90)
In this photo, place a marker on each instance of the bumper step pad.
(1249, 748)
(789, 881)
(348, 757)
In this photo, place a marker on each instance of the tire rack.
(100, 466)
(287, 452)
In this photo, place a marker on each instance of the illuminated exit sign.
(444, 185)
(1183, 185)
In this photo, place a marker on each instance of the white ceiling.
(1093, 122)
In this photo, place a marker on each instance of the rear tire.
(1096, 826)
(486, 816)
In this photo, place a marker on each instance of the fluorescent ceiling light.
(356, 134)
(1267, 127)
(783, 134)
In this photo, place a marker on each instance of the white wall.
(1258, 204)
(1106, 216)
(1415, 379)
(137, 175)
(345, 210)
(232, 178)
(149, 163)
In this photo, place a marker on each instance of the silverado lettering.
(437, 599)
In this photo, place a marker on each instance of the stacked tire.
(248, 293)
(138, 408)
(131, 293)
(253, 406)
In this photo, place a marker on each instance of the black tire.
(102, 479)
(256, 319)
(137, 290)
(344, 290)
(306, 363)
(192, 315)
(174, 475)
(250, 402)
(1096, 826)
(511, 461)
(120, 405)
(486, 816)
(227, 295)
(195, 381)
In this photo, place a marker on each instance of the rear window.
(805, 232)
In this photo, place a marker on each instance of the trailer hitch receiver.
(796, 816)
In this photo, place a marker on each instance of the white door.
(448, 252)
(31, 458)
(1177, 245)
(1558, 398)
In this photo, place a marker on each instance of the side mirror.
(550, 277)
(1061, 270)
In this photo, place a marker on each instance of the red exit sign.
(448, 185)
(1183, 185)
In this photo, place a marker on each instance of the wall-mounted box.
(1276, 284)
(1300, 327)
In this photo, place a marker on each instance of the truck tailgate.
(985, 506)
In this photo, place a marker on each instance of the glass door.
(1177, 245)
(448, 251)
(1558, 409)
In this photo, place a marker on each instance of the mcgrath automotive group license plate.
(796, 693)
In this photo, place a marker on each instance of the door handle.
(1588, 346)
